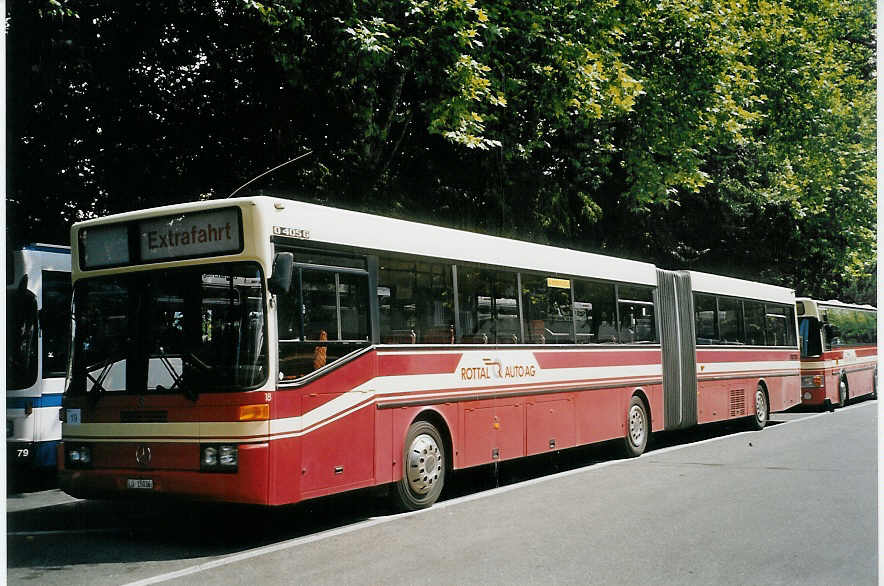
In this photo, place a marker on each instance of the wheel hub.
(636, 425)
(424, 464)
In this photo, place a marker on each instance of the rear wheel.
(843, 393)
(759, 420)
(424, 468)
(637, 428)
(875, 385)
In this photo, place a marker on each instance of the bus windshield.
(182, 330)
(21, 339)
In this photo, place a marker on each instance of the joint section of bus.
(38, 301)
(839, 352)
(268, 351)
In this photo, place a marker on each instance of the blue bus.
(38, 325)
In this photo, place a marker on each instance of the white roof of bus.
(716, 284)
(359, 230)
(836, 303)
(371, 232)
(33, 259)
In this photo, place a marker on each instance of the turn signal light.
(254, 412)
(812, 381)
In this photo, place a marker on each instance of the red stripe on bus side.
(597, 358)
(861, 352)
(405, 364)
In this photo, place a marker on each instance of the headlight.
(210, 456)
(227, 456)
(79, 456)
(85, 455)
(812, 381)
(219, 458)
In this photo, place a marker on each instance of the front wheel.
(638, 428)
(424, 468)
(759, 420)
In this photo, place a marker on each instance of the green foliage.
(712, 134)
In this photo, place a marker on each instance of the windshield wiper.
(178, 377)
(97, 388)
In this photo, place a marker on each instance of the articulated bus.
(839, 351)
(38, 303)
(260, 350)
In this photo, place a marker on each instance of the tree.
(677, 131)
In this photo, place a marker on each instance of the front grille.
(144, 416)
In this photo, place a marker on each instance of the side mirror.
(281, 278)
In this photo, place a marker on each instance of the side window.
(754, 323)
(705, 322)
(323, 317)
(546, 303)
(595, 314)
(850, 326)
(415, 302)
(776, 326)
(872, 332)
(21, 339)
(55, 322)
(730, 321)
(636, 308)
(488, 304)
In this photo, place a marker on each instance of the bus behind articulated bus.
(38, 301)
(839, 351)
(267, 351)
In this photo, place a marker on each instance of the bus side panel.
(339, 454)
(655, 398)
(550, 423)
(285, 454)
(784, 392)
(860, 370)
(492, 430)
(860, 382)
(384, 456)
(601, 414)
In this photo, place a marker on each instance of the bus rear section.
(38, 297)
(839, 352)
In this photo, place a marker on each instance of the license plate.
(73, 416)
(139, 483)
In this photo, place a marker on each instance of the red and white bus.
(839, 351)
(267, 351)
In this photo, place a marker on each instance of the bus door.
(324, 317)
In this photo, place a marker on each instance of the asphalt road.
(793, 504)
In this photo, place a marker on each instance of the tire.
(843, 393)
(875, 385)
(424, 466)
(638, 428)
(762, 411)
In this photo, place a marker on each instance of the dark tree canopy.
(720, 136)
